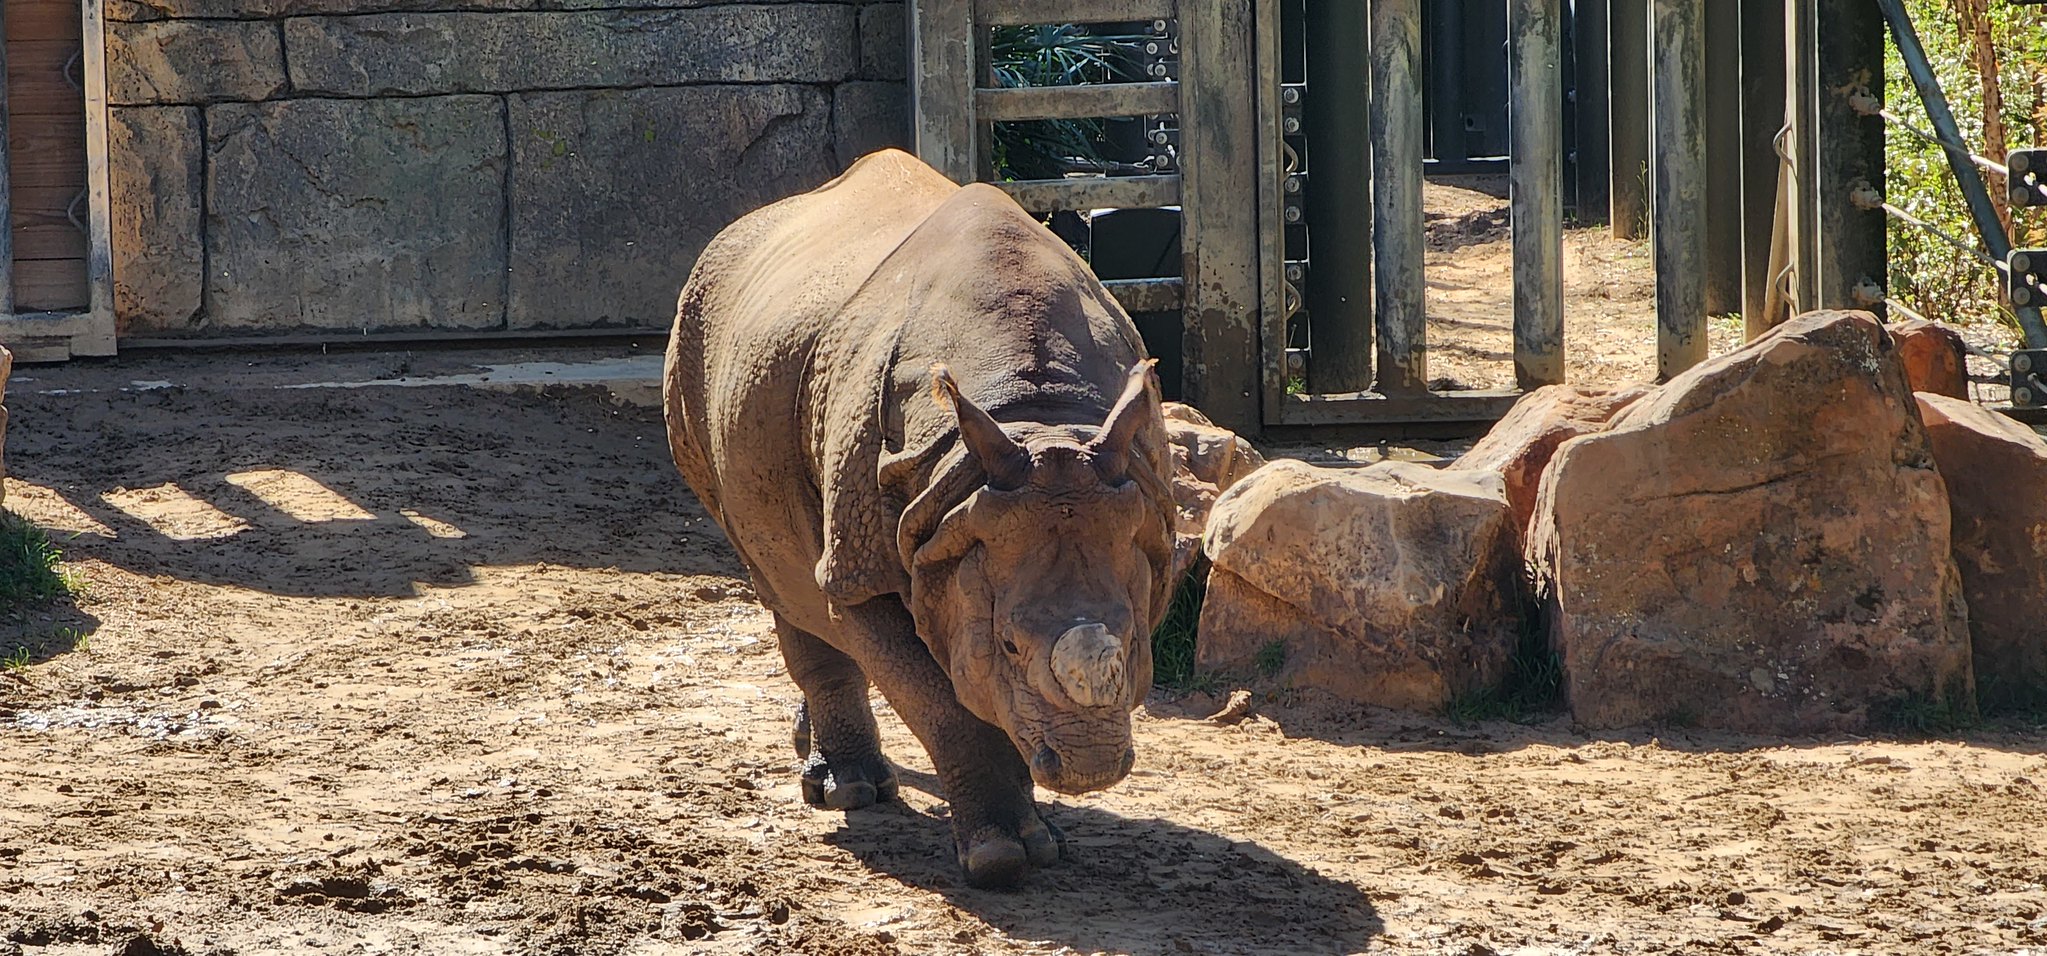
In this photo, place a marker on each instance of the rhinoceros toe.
(847, 784)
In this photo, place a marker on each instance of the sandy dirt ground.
(452, 670)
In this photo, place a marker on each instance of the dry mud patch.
(445, 670)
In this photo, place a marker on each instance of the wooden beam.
(99, 260)
(6, 194)
(1401, 316)
(1273, 292)
(942, 79)
(1220, 220)
(1535, 72)
(1679, 197)
(1076, 102)
(1094, 192)
(1852, 247)
(1628, 111)
(1004, 13)
(1148, 295)
(1368, 408)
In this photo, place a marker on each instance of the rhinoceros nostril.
(1046, 762)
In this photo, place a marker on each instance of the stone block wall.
(290, 166)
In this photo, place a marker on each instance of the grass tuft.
(31, 568)
(1533, 689)
(1172, 644)
(1919, 715)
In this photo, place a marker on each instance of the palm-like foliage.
(1055, 55)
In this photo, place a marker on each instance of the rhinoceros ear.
(1111, 448)
(1005, 462)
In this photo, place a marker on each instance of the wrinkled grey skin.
(935, 443)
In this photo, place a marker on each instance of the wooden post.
(1339, 198)
(1723, 156)
(1397, 196)
(1679, 202)
(1801, 94)
(942, 79)
(1762, 117)
(6, 195)
(1593, 93)
(1628, 106)
(1852, 247)
(1536, 173)
(1219, 224)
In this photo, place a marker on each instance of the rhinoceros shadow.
(1133, 885)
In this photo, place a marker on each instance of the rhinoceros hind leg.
(835, 735)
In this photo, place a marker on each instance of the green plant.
(1054, 55)
(31, 568)
(1532, 690)
(1271, 659)
(1172, 643)
(15, 660)
(1922, 715)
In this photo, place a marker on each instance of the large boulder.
(1207, 460)
(1935, 356)
(1396, 584)
(1520, 446)
(1761, 545)
(1996, 471)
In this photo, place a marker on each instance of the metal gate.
(56, 264)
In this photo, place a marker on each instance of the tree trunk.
(1973, 17)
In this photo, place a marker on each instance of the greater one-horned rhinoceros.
(937, 446)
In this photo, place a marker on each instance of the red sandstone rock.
(1397, 584)
(1207, 460)
(1935, 357)
(1520, 446)
(1760, 545)
(1996, 474)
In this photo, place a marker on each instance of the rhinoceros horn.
(1005, 462)
(1088, 663)
(1111, 448)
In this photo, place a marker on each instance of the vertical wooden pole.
(1536, 175)
(98, 338)
(1722, 120)
(1397, 196)
(1679, 201)
(1801, 95)
(1593, 93)
(6, 191)
(1852, 247)
(1219, 211)
(1339, 198)
(942, 43)
(1762, 117)
(1628, 107)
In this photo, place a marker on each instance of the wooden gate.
(56, 268)
(1215, 184)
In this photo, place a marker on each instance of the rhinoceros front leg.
(997, 830)
(845, 769)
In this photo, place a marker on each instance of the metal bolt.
(2020, 262)
(2020, 295)
(2017, 161)
(2022, 363)
(1292, 124)
(1293, 184)
(1294, 273)
(1293, 214)
(2020, 196)
(1290, 96)
(2022, 396)
(1158, 26)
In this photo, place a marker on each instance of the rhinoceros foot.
(994, 858)
(847, 784)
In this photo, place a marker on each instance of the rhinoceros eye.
(1010, 646)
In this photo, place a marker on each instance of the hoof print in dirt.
(851, 785)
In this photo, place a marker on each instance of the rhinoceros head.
(1038, 591)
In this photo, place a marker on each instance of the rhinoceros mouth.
(1079, 770)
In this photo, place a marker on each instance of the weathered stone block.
(1396, 585)
(1207, 460)
(423, 53)
(614, 192)
(1760, 545)
(1521, 445)
(1995, 469)
(356, 214)
(154, 168)
(884, 42)
(870, 116)
(192, 61)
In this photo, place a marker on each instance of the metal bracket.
(2027, 387)
(2027, 184)
(1291, 96)
(2023, 269)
